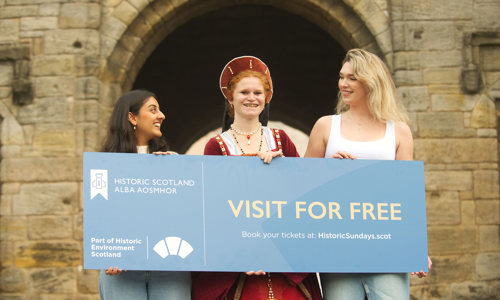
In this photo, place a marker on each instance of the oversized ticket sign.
(214, 213)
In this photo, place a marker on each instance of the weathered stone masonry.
(64, 63)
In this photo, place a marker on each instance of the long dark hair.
(121, 135)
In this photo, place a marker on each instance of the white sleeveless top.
(384, 149)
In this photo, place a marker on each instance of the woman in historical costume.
(371, 124)
(246, 84)
(134, 127)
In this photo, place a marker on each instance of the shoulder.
(402, 130)
(288, 147)
(324, 122)
(212, 147)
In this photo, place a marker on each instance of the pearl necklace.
(260, 145)
(247, 134)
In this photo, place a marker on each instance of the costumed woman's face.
(353, 91)
(147, 121)
(249, 98)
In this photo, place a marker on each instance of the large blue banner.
(213, 213)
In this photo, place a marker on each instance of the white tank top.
(385, 148)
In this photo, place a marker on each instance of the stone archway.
(155, 27)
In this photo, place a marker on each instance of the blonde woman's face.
(353, 91)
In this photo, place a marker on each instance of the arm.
(318, 139)
(288, 147)
(404, 151)
(404, 142)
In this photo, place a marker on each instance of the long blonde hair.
(383, 102)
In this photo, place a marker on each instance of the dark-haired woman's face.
(147, 121)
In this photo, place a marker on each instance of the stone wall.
(63, 64)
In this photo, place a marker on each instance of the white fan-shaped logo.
(173, 245)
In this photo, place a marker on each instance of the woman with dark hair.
(134, 127)
(246, 84)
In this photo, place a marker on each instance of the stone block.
(13, 280)
(53, 65)
(18, 11)
(484, 113)
(441, 75)
(437, 10)
(403, 77)
(448, 58)
(448, 269)
(54, 140)
(88, 65)
(10, 188)
(487, 132)
(10, 30)
(53, 281)
(7, 254)
(488, 266)
(428, 292)
(443, 208)
(12, 133)
(46, 198)
(46, 110)
(113, 27)
(38, 23)
(80, 15)
(433, 35)
(48, 254)
(72, 41)
(443, 125)
(489, 238)
(6, 206)
(87, 281)
(449, 102)
(448, 180)
(13, 228)
(125, 12)
(6, 73)
(87, 88)
(486, 184)
(50, 227)
(48, 9)
(473, 150)
(485, 15)
(87, 111)
(471, 290)
(414, 98)
(78, 225)
(468, 210)
(139, 4)
(54, 86)
(452, 239)
(49, 169)
(488, 212)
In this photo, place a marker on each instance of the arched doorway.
(184, 68)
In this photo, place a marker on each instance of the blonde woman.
(371, 124)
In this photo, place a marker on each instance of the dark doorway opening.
(184, 69)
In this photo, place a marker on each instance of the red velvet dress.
(233, 285)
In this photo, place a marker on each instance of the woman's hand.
(269, 155)
(165, 153)
(113, 271)
(259, 272)
(343, 154)
(422, 273)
